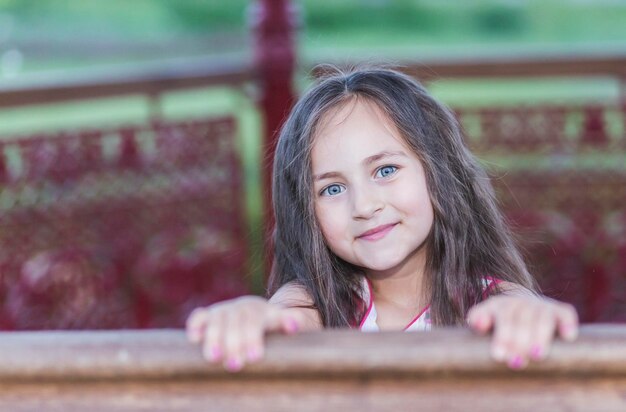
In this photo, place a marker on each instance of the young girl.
(384, 221)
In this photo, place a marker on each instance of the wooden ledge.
(442, 370)
(600, 349)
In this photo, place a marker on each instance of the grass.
(513, 92)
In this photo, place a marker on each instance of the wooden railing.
(519, 64)
(145, 79)
(445, 370)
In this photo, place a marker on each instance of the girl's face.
(370, 194)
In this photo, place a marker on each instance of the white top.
(419, 323)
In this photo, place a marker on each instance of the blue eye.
(332, 190)
(386, 171)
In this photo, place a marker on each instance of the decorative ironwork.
(133, 227)
(129, 227)
(545, 130)
(560, 175)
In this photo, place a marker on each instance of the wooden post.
(594, 131)
(273, 23)
(4, 172)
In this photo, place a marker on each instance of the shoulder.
(511, 288)
(507, 288)
(292, 294)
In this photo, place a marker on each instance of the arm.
(232, 332)
(294, 297)
(524, 324)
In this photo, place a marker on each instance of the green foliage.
(383, 14)
(198, 15)
(120, 18)
(500, 18)
(486, 17)
(458, 21)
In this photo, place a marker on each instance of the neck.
(401, 285)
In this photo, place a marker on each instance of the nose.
(366, 202)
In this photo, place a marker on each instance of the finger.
(212, 349)
(544, 333)
(196, 323)
(501, 343)
(253, 333)
(567, 320)
(481, 317)
(522, 334)
(234, 356)
(284, 320)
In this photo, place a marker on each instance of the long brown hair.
(469, 238)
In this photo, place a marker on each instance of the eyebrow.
(367, 161)
(382, 155)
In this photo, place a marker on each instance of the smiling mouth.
(377, 233)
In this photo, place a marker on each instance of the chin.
(388, 261)
(381, 265)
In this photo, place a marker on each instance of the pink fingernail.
(254, 354)
(216, 353)
(536, 352)
(516, 362)
(234, 364)
(482, 322)
(292, 325)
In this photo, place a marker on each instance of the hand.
(524, 326)
(233, 331)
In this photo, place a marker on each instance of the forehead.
(357, 129)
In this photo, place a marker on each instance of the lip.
(377, 233)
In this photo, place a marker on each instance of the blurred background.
(133, 137)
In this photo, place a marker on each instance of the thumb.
(283, 320)
(481, 318)
(567, 322)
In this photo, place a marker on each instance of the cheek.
(330, 222)
(416, 204)
(414, 201)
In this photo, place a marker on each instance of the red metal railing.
(560, 175)
(132, 227)
(129, 227)
(546, 130)
(572, 225)
(274, 24)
